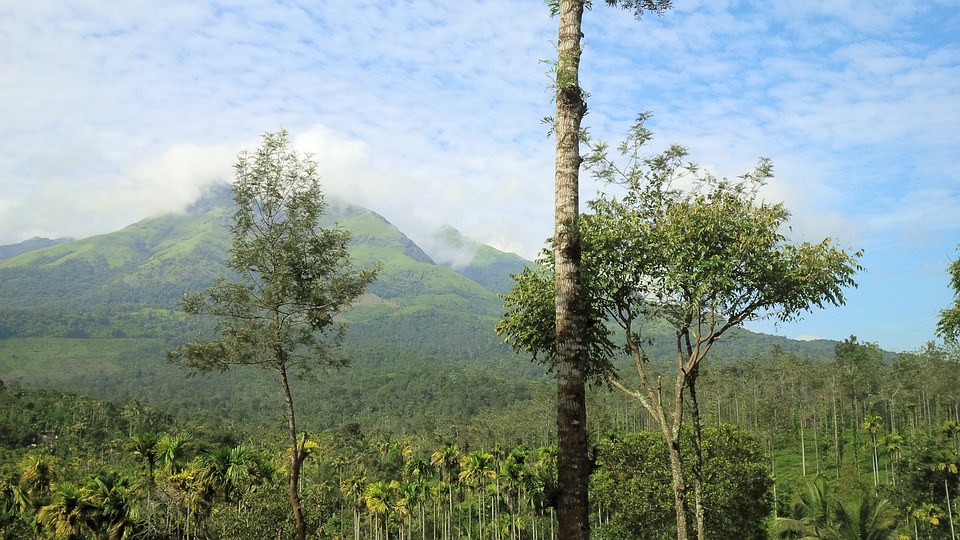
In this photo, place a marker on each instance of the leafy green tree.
(633, 483)
(705, 260)
(570, 328)
(948, 327)
(289, 279)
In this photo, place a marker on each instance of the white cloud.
(429, 111)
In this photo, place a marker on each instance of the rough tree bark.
(572, 466)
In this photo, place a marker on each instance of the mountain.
(97, 315)
(29, 245)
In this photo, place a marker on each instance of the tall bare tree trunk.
(296, 457)
(572, 466)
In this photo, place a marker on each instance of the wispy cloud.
(429, 112)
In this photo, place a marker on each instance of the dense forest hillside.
(97, 315)
(429, 399)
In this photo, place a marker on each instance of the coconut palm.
(811, 514)
(865, 517)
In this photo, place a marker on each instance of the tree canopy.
(948, 327)
(682, 246)
(289, 280)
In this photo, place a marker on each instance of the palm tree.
(873, 424)
(447, 460)
(37, 477)
(115, 498)
(70, 515)
(144, 446)
(416, 474)
(865, 517)
(13, 502)
(948, 468)
(514, 484)
(380, 497)
(927, 513)
(475, 469)
(172, 451)
(811, 514)
(352, 490)
(894, 443)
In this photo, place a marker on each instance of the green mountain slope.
(96, 316)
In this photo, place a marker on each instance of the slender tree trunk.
(803, 447)
(953, 535)
(296, 453)
(572, 466)
(697, 453)
(679, 486)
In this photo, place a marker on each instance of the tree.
(948, 327)
(704, 260)
(289, 279)
(632, 482)
(70, 515)
(570, 325)
(115, 498)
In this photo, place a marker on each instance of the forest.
(795, 447)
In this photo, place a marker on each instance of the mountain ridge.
(96, 316)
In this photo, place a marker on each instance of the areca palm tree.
(144, 446)
(380, 501)
(514, 475)
(352, 490)
(115, 498)
(893, 443)
(927, 513)
(13, 502)
(70, 514)
(447, 460)
(172, 451)
(475, 469)
(416, 473)
(37, 475)
(873, 424)
(228, 472)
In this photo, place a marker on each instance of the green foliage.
(819, 513)
(948, 327)
(632, 484)
(293, 278)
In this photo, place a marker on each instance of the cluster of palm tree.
(819, 514)
(36, 504)
(448, 493)
(172, 497)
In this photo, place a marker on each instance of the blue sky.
(429, 112)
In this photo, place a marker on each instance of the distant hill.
(29, 245)
(96, 316)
